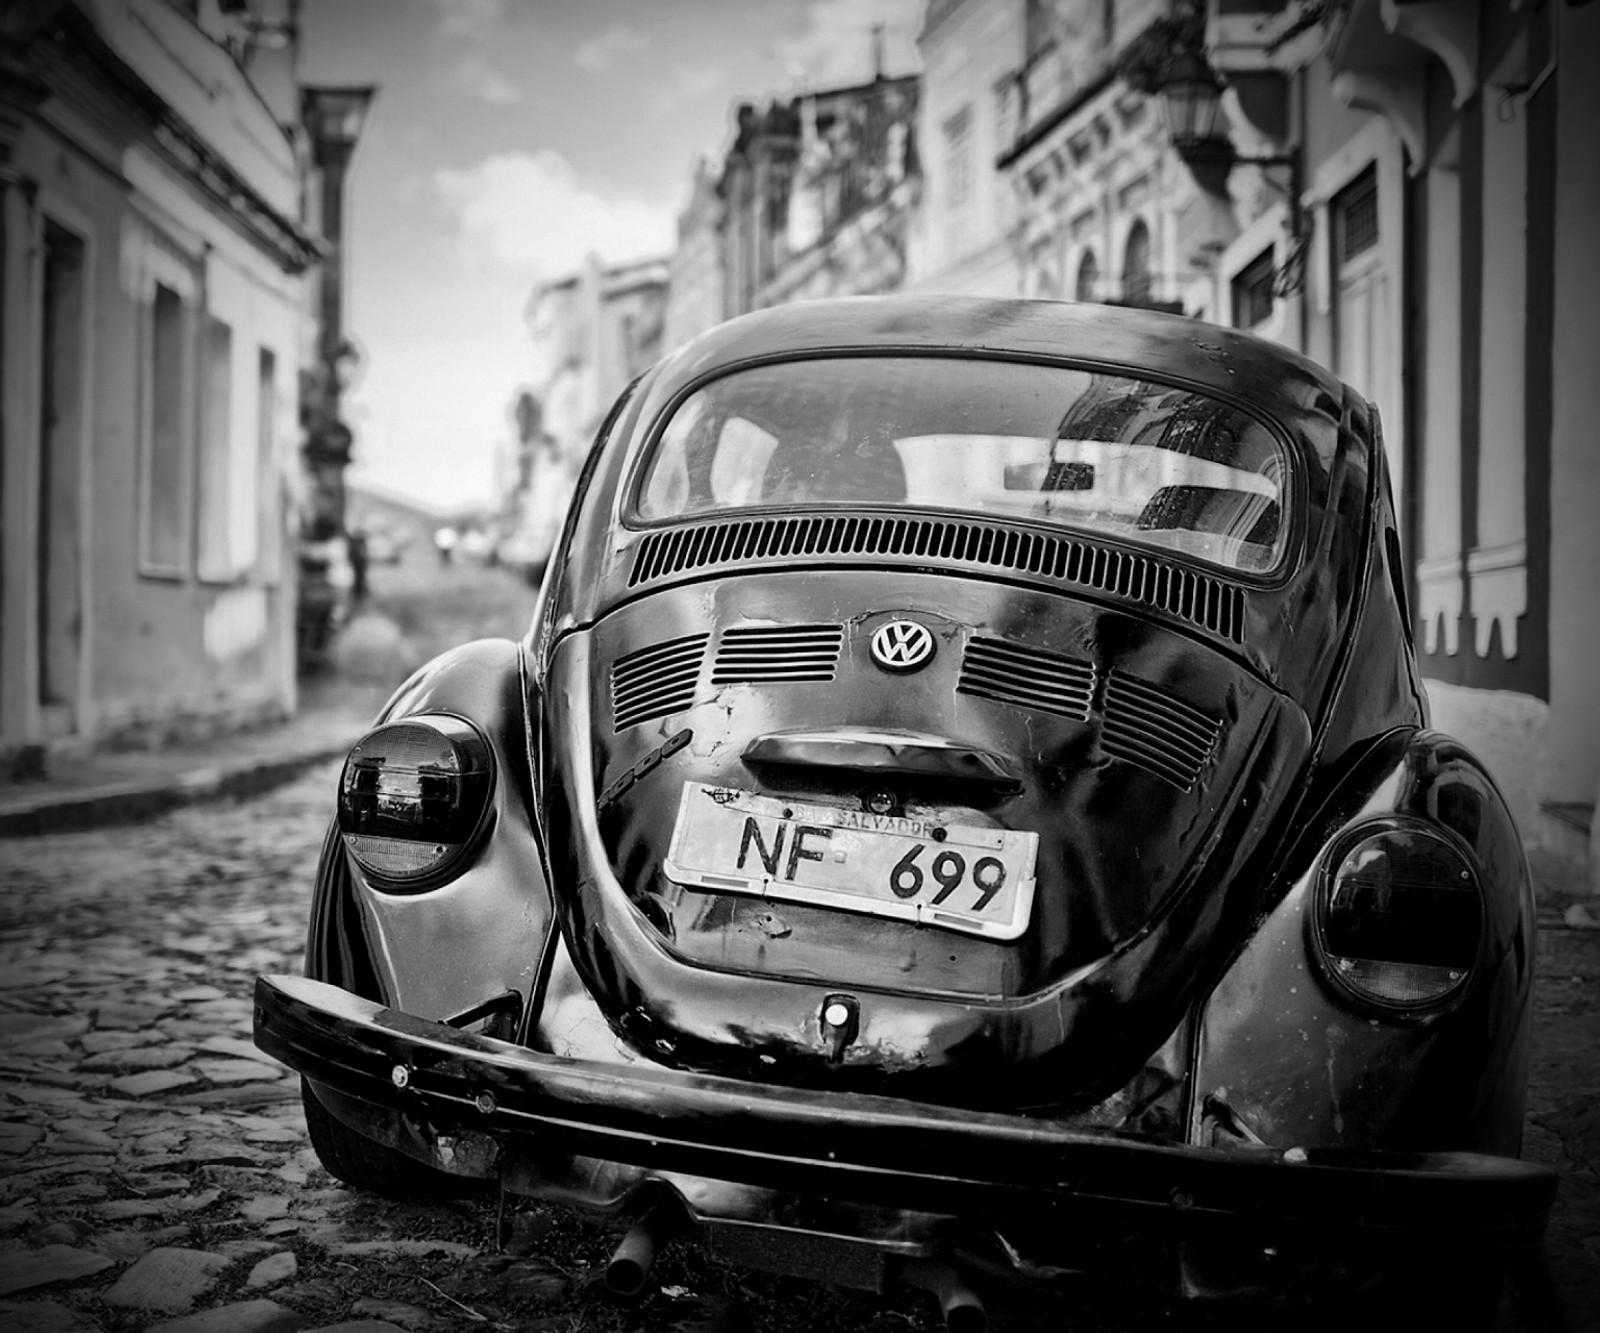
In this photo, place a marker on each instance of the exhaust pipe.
(960, 1305)
(630, 1263)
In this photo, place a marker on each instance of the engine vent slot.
(777, 652)
(655, 681)
(1034, 678)
(1157, 731)
(1198, 598)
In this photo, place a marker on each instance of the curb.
(127, 802)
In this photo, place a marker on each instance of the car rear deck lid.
(908, 753)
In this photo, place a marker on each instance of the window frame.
(1358, 197)
(1136, 281)
(959, 132)
(1246, 285)
(270, 509)
(163, 268)
(1088, 264)
(215, 559)
(1289, 465)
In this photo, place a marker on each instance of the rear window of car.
(1083, 449)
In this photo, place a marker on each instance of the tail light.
(1397, 915)
(414, 800)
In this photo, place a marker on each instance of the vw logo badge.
(902, 645)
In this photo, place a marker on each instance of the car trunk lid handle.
(884, 752)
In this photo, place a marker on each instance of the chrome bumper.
(874, 1151)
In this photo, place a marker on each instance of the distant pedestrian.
(356, 551)
(444, 541)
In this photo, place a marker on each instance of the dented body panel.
(1290, 1062)
(493, 925)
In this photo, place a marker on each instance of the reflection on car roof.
(1225, 361)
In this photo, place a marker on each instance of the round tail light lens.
(1398, 916)
(413, 798)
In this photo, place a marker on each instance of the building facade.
(961, 241)
(1451, 192)
(593, 333)
(1405, 191)
(815, 196)
(695, 300)
(840, 217)
(1106, 212)
(153, 274)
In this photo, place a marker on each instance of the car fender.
(482, 933)
(1282, 1057)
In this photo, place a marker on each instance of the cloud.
(533, 211)
(601, 52)
(474, 75)
(468, 18)
(835, 46)
(429, 410)
(686, 83)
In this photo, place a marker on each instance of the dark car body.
(1198, 958)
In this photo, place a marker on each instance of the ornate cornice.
(22, 91)
(1053, 119)
(20, 97)
(1378, 54)
(1391, 92)
(1446, 28)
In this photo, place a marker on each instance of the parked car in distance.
(965, 812)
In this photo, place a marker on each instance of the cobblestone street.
(156, 1173)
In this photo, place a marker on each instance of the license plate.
(976, 880)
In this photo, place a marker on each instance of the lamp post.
(1190, 94)
(1191, 105)
(333, 118)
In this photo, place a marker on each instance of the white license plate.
(976, 880)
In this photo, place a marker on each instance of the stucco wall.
(161, 651)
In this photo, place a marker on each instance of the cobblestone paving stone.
(155, 1173)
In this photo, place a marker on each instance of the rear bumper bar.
(883, 1150)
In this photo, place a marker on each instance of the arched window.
(1088, 277)
(1136, 265)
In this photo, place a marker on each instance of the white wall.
(964, 62)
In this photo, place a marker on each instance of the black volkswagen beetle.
(965, 808)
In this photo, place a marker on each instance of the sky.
(507, 139)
